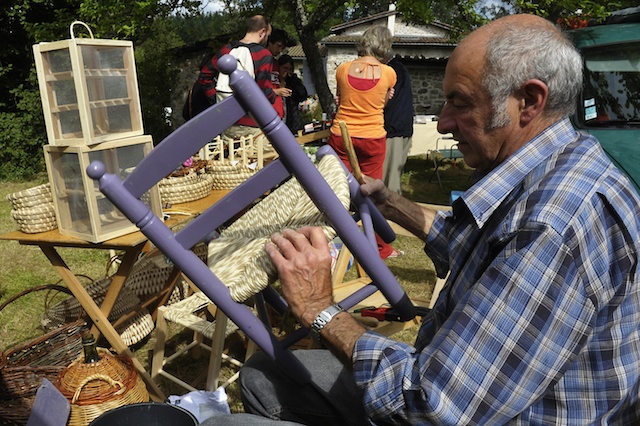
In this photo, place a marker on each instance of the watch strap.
(323, 319)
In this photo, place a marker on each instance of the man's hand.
(377, 191)
(303, 262)
(411, 216)
(282, 91)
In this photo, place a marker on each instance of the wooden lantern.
(82, 211)
(89, 90)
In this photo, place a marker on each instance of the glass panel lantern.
(89, 90)
(82, 211)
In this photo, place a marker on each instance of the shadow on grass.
(420, 183)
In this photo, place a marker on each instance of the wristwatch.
(322, 320)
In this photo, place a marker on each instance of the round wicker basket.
(227, 175)
(33, 209)
(98, 387)
(182, 189)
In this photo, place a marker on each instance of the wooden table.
(132, 245)
(312, 137)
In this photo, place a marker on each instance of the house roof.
(341, 27)
(374, 17)
(297, 52)
(397, 40)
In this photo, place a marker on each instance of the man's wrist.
(322, 319)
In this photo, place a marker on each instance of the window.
(611, 95)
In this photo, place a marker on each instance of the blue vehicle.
(609, 107)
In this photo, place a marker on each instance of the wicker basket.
(227, 175)
(33, 209)
(95, 388)
(182, 189)
(148, 277)
(131, 331)
(23, 368)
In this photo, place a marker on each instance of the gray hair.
(376, 41)
(516, 54)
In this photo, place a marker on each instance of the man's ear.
(534, 94)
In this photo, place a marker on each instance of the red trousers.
(370, 154)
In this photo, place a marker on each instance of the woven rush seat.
(182, 313)
(238, 258)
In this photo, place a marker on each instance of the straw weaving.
(238, 258)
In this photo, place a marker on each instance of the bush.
(23, 135)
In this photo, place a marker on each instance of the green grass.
(26, 266)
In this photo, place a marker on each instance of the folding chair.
(451, 153)
(292, 160)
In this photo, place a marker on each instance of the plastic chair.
(451, 153)
(292, 160)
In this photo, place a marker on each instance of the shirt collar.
(484, 197)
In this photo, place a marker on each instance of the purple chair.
(196, 133)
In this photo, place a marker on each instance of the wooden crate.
(81, 209)
(89, 90)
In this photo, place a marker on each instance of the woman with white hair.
(363, 87)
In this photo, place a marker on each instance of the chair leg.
(217, 347)
(436, 166)
(161, 338)
(439, 285)
(340, 269)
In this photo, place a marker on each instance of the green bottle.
(90, 351)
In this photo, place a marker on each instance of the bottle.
(90, 351)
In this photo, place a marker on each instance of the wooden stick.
(351, 154)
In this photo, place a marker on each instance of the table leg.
(116, 284)
(100, 319)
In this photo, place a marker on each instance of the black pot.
(146, 414)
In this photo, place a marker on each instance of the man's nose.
(446, 122)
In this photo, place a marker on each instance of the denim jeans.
(270, 395)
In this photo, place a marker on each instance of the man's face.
(275, 48)
(468, 112)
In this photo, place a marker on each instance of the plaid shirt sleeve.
(538, 325)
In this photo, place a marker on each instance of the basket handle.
(96, 377)
(81, 23)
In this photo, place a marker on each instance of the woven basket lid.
(95, 383)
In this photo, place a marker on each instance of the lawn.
(26, 266)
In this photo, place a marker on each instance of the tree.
(570, 13)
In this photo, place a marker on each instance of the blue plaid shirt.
(539, 320)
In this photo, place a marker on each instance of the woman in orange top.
(364, 86)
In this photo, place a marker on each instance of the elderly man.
(538, 321)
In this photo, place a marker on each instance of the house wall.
(426, 84)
